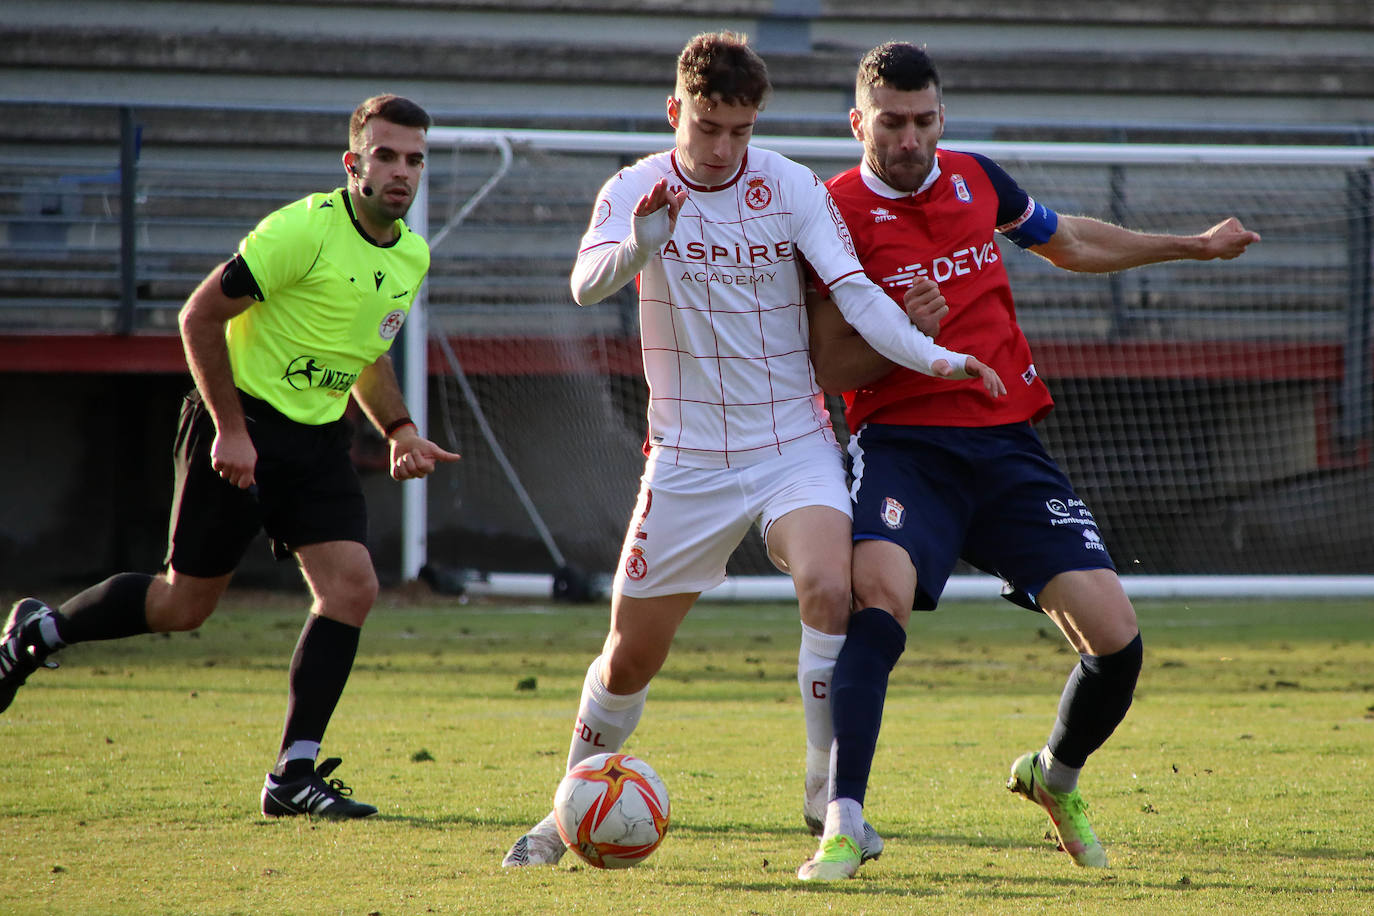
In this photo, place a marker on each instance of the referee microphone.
(366, 188)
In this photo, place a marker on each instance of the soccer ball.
(612, 810)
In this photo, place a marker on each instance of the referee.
(276, 339)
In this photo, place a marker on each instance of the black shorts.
(989, 495)
(307, 491)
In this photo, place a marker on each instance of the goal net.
(1215, 415)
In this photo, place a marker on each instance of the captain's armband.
(1034, 226)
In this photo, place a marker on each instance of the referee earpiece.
(366, 188)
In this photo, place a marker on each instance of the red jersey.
(945, 231)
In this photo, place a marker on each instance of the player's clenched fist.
(925, 305)
(1227, 239)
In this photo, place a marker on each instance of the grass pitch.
(1241, 781)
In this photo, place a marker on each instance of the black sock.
(1094, 701)
(319, 670)
(858, 689)
(113, 609)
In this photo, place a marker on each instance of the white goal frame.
(779, 588)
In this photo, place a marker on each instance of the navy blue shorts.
(989, 495)
(307, 491)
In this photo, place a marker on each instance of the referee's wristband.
(394, 425)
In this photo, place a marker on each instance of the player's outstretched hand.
(1226, 240)
(659, 197)
(991, 380)
(974, 368)
(925, 306)
(413, 456)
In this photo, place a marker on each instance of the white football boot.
(541, 846)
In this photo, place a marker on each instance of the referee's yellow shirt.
(332, 302)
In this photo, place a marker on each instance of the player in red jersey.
(946, 472)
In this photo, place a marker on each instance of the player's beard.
(905, 171)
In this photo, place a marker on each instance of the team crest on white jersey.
(894, 513)
(960, 188)
(603, 213)
(758, 195)
(391, 324)
(881, 214)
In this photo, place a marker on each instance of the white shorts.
(687, 521)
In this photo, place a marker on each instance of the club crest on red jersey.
(758, 195)
(894, 513)
(961, 190)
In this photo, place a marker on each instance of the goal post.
(1216, 415)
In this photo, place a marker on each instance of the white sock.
(1059, 776)
(604, 719)
(818, 767)
(815, 666)
(844, 815)
(47, 630)
(298, 750)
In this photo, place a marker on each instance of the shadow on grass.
(910, 848)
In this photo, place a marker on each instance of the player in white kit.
(716, 231)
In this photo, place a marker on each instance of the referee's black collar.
(348, 204)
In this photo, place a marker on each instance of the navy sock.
(1094, 701)
(113, 609)
(858, 689)
(319, 670)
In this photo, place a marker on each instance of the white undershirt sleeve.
(602, 269)
(888, 330)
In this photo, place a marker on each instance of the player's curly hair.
(896, 65)
(388, 107)
(722, 65)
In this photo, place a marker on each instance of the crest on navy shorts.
(960, 188)
(759, 195)
(894, 513)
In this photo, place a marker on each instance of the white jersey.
(722, 305)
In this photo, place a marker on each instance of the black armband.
(237, 281)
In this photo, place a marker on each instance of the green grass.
(1241, 782)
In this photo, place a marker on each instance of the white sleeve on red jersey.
(824, 239)
(617, 245)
